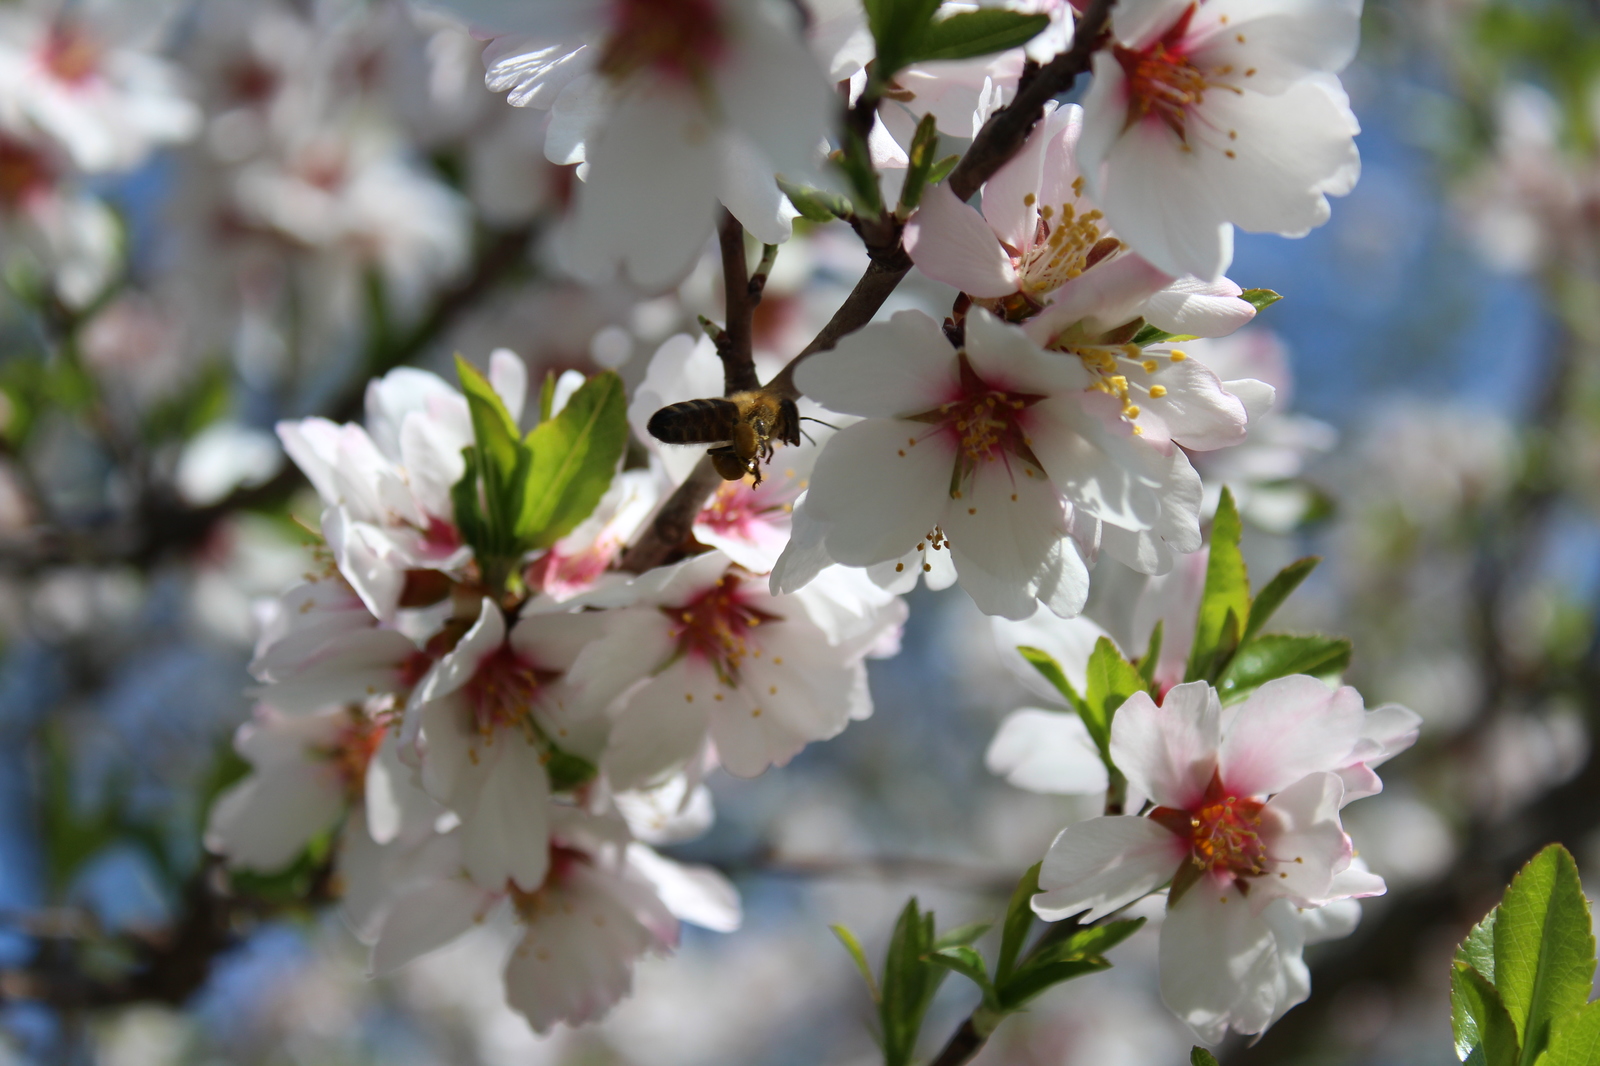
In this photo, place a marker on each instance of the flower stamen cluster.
(1223, 833)
(502, 693)
(715, 627)
(986, 422)
(679, 39)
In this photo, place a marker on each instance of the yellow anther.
(1157, 391)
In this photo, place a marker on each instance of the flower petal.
(1169, 752)
(1046, 751)
(1103, 864)
(950, 242)
(1288, 728)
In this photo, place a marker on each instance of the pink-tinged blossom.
(578, 561)
(485, 723)
(386, 487)
(1206, 114)
(69, 74)
(670, 106)
(1245, 828)
(1039, 234)
(306, 771)
(758, 676)
(1015, 461)
(604, 903)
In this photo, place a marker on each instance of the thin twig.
(671, 525)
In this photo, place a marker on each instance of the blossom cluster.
(480, 704)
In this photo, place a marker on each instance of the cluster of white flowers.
(470, 745)
(469, 754)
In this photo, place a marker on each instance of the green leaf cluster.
(918, 961)
(1519, 985)
(520, 494)
(909, 31)
(1230, 651)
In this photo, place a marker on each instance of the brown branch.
(963, 1044)
(736, 345)
(670, 527)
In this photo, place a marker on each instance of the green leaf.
(1279, 655)
(923, 144)
(501, 466)
(1111, 680)
(1199, 1056)
(941, 170)
(856, 162)
(1485, 1035)
(816, 205)
(1046, 664)
(897, 26)
(1152, 655)
(977, 33)
(1019, 919)
(853, 946)
(1477, 950)
(1575, 1039)
(468, 507)
(909, 982)
(1099, 939)
(1274, 592)
(1543, 947)
(969, 964)
(1225, 604)
(1030, 981)
(962, 935)
(1260, 299)
(568, 771)
(574, 457)
(547, 396)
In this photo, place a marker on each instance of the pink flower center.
(680, 39)
(352, 750)
(733, 512)
(1224, 832)
(715, 626)
(502, 690)
(70, 54)
(986, 422)
(24, 173)
(1162, 82)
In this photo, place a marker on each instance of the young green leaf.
(1099, 939)
(969, 964)
(1274, 592)
(1260, 299)
(1477, 950)
(920, 161)
(1051, 670)
(897, 27)
(574, 457)
(1152, 655)
(1483, 1029)
(1575, 1040)
(1019, 919)
(1199, 1056)
(568, 771)
(1033, 979)
(816, 205)
(1111, 680)
(853, 946)
(1225, 603)
(547, 396)
(502, 461)
(962, 935)
(1543, 948)
(1279, 655)
(909, 983)
(976, 33)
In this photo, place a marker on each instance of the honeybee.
(742, 427)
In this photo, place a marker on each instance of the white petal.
(1305, 844)
(508, 375)
(1169, 752)
(1046, 751)
(1103, 864)
(1224, 967)
(696, 894)
(425, 919)
(878, 490)
(1286, 729)
(950, 242)
(506, 836)
(902, 366)
(1191, 307)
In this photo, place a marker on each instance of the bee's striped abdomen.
(707, 421)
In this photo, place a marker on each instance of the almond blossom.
(1206, 114)
(493, 725)
(671, 105)
(604, 903)
(386, 487)
(755, 674)
(1039, 233)
(1245, 828)
(1016, 460)
(66, 71)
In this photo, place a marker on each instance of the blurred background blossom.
(218, 213)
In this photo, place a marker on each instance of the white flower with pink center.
(489, 719)
(1206, 114)
(1245, 828)
(386, 487)
(604, 903)
(576, 562)
(672, 106)
(1039, 234)
(759, 676)
(1012, 460)
(307, 770)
